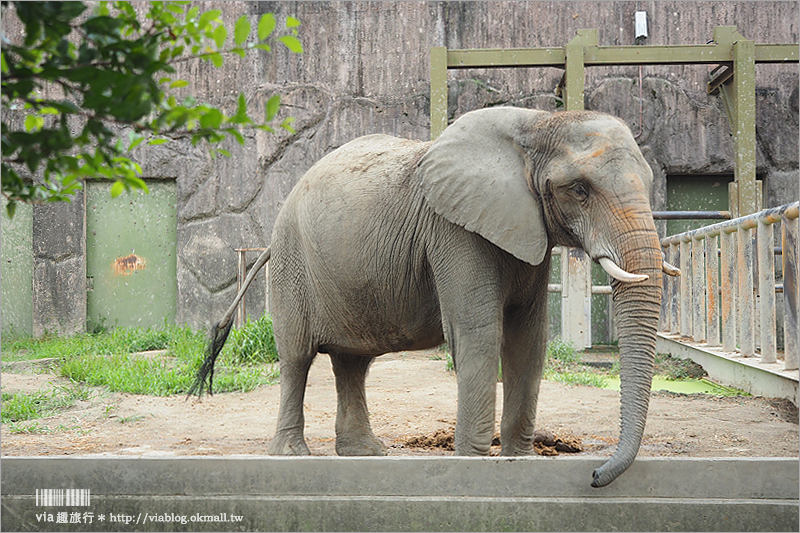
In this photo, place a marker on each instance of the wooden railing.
(727, 294)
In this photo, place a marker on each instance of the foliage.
(253, 343)
(563, 364)
(27, 406)
(78, 76)
(588, 378)
(559, 350)
(112, 359)
(675, 369)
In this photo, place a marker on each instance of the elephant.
(389, 244)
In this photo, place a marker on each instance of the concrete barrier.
(253, 493)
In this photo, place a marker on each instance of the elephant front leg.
(476, 360)
(523, 360)
(353, 432)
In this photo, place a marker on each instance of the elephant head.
(528, 180)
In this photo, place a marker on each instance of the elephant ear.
(476, 175)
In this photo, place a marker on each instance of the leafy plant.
(74, 81)
(27, 406)
(674, 368)
(562, 351)
(253, 343)
(112, 359)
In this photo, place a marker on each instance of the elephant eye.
(580, 190)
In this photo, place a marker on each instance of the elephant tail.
(220, 331)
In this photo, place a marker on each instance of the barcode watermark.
(63, 497)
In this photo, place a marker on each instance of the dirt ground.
(412, 399)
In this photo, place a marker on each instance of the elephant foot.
(367, 445)
(510, 451)
(517, 446)
(282, 444)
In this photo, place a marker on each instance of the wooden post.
(728, 290)
(712, 294)
(438, 91)
(698, 301)
(686, 289)
(791, 292)
(745, 304)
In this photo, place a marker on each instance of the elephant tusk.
(669, 269)
(617, 273)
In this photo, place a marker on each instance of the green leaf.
(242, 30)
(263, 46)
(220, 36)
(178, 84)
(137, 183)
(292, 22)
(156, 142)
(136, 140)
(292, 43)
(273, 104)
(265, 26)
(287, 124)
(207, 17)
(241, 110)
(212, 119)
(3, 64)
(11, 208)
(236, 135)
(117, 188)
(33, 123)
(49, 111)
(217, 60)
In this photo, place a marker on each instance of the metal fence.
(726, 296)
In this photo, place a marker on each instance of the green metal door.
(130, 256)
(695, 193)
(17, 271)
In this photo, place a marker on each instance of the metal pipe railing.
(728, 269)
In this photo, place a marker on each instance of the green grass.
(253, 343)
(20, 406)
(563, 364)
(111, 359)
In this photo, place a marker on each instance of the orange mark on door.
(125, 266)
(599, 152)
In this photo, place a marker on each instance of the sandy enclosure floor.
(411, 396)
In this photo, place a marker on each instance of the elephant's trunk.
(637, 308)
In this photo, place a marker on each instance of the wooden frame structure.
(733, 79)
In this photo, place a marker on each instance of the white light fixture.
(641, 25)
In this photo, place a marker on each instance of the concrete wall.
(366, 70)
(404, 494)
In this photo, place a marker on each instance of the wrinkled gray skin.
(389, 244)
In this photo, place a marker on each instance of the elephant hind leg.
(353, 432)
(289, 439)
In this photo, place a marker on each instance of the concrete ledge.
(405, 494)
(745, 373)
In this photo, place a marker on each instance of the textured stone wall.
(366, 70)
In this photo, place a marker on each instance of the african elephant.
(389, 244)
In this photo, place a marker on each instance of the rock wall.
(366, 70)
